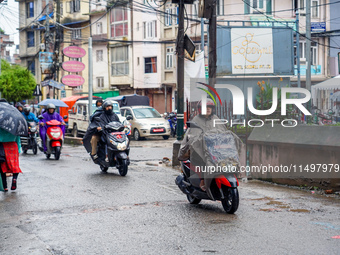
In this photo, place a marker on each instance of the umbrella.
(335, 96)
(12, 120)
(56, 102)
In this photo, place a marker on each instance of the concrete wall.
(301, 145)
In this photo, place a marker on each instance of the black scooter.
(221, 186)
(116, 146)
(29, 142)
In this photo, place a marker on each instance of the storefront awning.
(330, 84)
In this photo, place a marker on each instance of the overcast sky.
(9, 19)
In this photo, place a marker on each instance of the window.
(302, 49)
(168, 15)
(30, 39)
(137, 26)
(99, 28)
(195, 9)
(30, 9)
(119, 22)
(150, 29)
(315, 8)
(99, 55)
(150, 65)
(171, 16)
(302, 7)
(61, 9)
(119, 61)
(169, 57)
(73, 6)
(258, 6)
(220, 7)
(31, 66)
(76, 34)
(100, 82)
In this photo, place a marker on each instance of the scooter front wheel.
(123, 168)
(231, 200)
(35, 148)
(193, 200)
(57, 153)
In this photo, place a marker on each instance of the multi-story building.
(99, 32)
(67, 26)
(5, 43)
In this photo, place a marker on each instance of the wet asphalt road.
(70, 207)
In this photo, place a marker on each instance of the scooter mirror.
(65, 117)
(40, 117)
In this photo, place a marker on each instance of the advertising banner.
(252, 51)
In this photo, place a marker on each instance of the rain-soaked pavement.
(70, 207)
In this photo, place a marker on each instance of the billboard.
(252, 50)
(255, 51)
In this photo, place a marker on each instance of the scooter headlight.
(121, 146)
(56, 134)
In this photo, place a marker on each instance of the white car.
(78, 118)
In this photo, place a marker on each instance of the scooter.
(114, 145)
(54, 139)
(173, 123)
(29, 142)
(220, 186)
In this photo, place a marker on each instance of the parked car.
(146, 121)
(78, 119)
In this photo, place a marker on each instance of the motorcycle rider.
(93, 135)
(20, 107)
(50, 114)
(206, 122)
(29, 116)
(97, 111)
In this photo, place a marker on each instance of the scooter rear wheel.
(231, 200)
(193, 200)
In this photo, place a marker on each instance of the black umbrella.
(12, 120)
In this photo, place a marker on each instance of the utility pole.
(180, 72)
(212, 46)
(90, 76)
(202, 34)
(298, 46)
(308, 46)
(308, 50)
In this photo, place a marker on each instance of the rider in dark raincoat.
(93, 133)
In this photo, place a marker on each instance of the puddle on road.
(300, 210)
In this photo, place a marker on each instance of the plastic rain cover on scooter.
(213, 154)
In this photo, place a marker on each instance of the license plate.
(158, 130)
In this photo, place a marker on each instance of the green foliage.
(16, 82)
(2, 31)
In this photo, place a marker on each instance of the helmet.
(107, 103)
(210, 103)
(19, 105)
(50, 106)
(27, 109)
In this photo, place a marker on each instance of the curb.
(73, 140)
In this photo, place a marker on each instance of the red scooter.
(54, 139)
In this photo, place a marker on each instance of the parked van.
(78, 118)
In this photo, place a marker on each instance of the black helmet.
(27, 109)
(106, 104)
(50, 106)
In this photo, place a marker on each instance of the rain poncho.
(97, 121)
(43, 129)
(214, 146)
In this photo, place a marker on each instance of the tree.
(16, 82)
